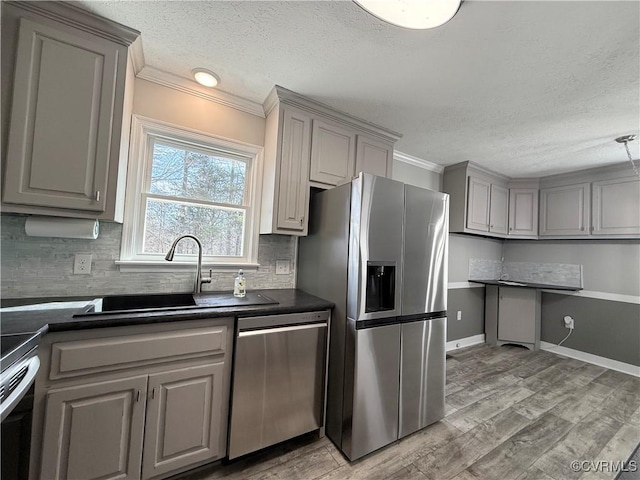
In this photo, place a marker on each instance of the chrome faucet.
(197, 288)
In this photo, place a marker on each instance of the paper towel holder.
(59, 227)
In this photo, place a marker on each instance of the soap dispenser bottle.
(239, 285)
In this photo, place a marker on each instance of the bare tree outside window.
(197, 192)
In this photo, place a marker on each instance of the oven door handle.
(23, 387)
(291, 328)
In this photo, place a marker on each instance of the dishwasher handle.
(292, 328)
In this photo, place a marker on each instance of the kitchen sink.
(114, 304)
(136, 302)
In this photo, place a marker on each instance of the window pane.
(220, 231)
(184, 173)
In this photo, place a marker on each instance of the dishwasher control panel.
(270, 321)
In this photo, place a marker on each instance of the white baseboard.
(465, 342)
(590, 358)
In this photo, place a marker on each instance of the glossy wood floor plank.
(511, 414)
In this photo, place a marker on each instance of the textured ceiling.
(523, 88)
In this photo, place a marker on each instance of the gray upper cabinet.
(601, 202)
(333, 153)
(64, 143)
(523, 212)
(308, 144)
(565, 210)
(499, 210)
(616, 206)
(479, 200)
(374, 156)
(285, 192)
(478, 206)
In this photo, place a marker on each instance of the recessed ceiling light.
(417, 14)
(205, 77)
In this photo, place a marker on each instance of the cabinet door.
(565, 210)
(60, 132)
(293, 191)
(523, 211)
(373, 157)
(94, 431)
(517, 315)
(184, 413)
(333, 153)
(499, 211)
(616, 207)
(478, 205)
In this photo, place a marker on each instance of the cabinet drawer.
(83, 357)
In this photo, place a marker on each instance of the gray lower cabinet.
(512, 315)
(183, 420)
(137, 402)
(94, 431)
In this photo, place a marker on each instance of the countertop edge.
(58, 320)
(539, 286)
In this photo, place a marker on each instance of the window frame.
(144, 132)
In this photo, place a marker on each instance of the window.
(181, 182)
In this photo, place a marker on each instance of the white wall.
(180, 108)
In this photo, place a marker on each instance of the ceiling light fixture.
(416, 14)
(626, 139)
(205, 77)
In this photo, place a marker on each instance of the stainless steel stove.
(19, 366)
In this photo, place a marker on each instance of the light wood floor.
(511, 414)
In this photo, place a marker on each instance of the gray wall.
(417, 176)
(611, 266)
(464, 247)
(607, 328)
(41, 267)
(469, 301)
(602, 327)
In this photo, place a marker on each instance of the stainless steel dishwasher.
(278, 379)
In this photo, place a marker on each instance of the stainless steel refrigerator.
(378, 249)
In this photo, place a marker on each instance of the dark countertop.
(526, 285)
(55, 320)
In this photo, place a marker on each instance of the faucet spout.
(197, 288)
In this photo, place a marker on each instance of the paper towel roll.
(62, 227)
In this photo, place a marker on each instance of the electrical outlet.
(282, 267)
(459, 316)
(82, 264)
(569, 322)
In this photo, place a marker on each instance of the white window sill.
(168, 267)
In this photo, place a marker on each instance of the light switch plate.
(82, 264)
(282, 267)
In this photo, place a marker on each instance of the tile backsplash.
(43, 267)
(561, 274)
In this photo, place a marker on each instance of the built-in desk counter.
(512, 311)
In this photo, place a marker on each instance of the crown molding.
(191, 87)
(418, 162)
(136, 54)
(69, 14)
(282, 95)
